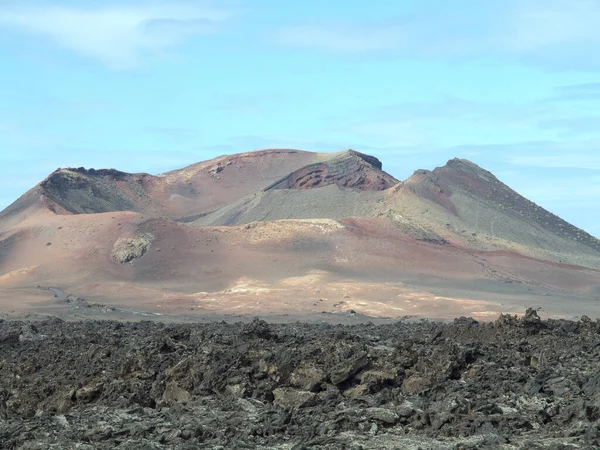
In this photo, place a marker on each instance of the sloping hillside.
(195, 190)
(286, 231)
(348, 184)
(468, 206)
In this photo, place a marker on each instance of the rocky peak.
(112, 173)
(88, 191)
(465, 167)
(372, 160)
(349, 169)
(75, 178)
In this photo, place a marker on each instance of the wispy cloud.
(344, 37)
(574, 154)
(583, 160)
(566, 190)
(553, 33)
(454, 109)
(573, 126)
(588, 92)
(433, 123)
(119, 36)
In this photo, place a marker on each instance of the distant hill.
(241, 225)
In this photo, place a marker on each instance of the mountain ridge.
(257, 230)
(349, 169)
(247, 187)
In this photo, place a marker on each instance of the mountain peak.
(65, 179)
(466, 167)
(113, 173)
(348, 169)
(372, 160)
(327, 221)
(458, 162)
(88, 191)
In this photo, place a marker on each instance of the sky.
(150, 86)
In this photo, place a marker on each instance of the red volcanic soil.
(426, 185)
(206, 186)
(275, 268)
(194, 190)
(451, 242)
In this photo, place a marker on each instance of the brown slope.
(388, 261)
(468, 206)
(346, 184)
(469, 178)
(279, 267)
(192, 191)
(199, 189)
(329, 202)
(209, 185)
(82, 191)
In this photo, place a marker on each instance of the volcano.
(290, 233)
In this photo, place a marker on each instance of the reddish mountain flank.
(291, 232)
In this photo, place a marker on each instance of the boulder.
(290, 398)
(174, 394)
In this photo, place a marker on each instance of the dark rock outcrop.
(106, 385)
(82, 191)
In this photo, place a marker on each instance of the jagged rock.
(258, 328)
(292, 398)
(592, 385)
(382, 415)
(374, 380)
(174, 394)
(405, 410)
(406, 385)
(466, 321)
(350, 169)
(415, 384)
(532, 321)
(347, 369)
(307, 378)
(127, 249)
(30, 333)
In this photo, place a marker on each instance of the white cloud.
(556, 33)
(344, 37)
(119, 36)
(588, 92)
(384, 133)
(577, 154)
(573, 160)
(537, 24)
(564, 191)
(573, 126)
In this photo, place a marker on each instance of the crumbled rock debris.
(516, 383)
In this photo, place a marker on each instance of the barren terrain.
(359, 279)
(285, 233)
(515, 383)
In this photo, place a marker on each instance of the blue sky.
(513, 85)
